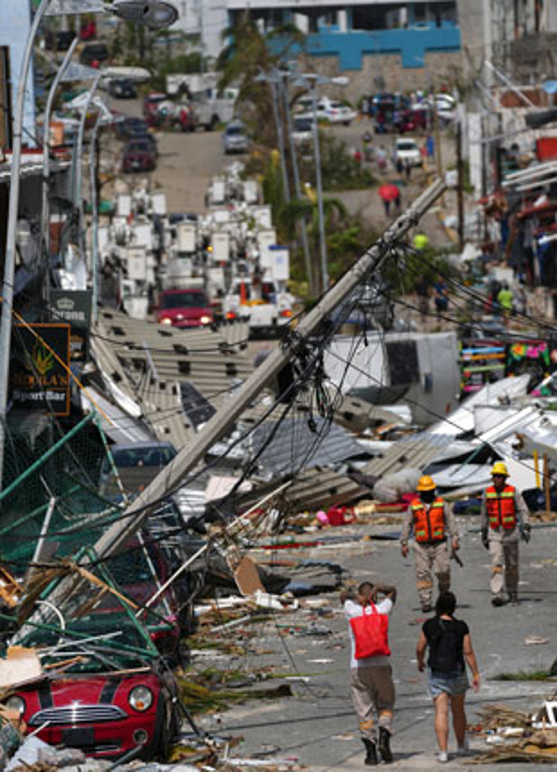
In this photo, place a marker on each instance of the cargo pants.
(428, 556)
(504, 554)
(372, 690)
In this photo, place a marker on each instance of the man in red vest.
(432, 522)
(504, 516)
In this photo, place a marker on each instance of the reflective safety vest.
(428, 521)
(500, 507)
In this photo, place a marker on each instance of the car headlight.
(140, 698)
(166, 320)
(16, 703)
(205, 320)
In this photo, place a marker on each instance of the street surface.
(318, 726)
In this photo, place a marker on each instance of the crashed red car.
(105, 716)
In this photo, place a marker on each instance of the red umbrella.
(388, 192)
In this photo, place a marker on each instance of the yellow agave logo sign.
(41, 360)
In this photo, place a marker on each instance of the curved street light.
(151, 13)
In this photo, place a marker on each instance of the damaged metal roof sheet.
(160, 352)
(116, 424)
(463, 419)
(296, 444)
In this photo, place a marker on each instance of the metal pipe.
(45, 213)
(77, 193)
(13, 208)
(94, 218)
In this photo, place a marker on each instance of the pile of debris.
(517, 736)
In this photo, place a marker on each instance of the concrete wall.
(385, 73)
(15, 23)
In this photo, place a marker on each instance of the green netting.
(78, 616)
(51, 486)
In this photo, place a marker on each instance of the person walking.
(449, 642)
(432, 522)
(372, 687)
(504, 518)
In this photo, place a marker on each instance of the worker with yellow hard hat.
(504, 518)
(432, 522)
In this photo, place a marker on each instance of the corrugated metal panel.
(295, 445)
(116, 424)
(201, 356)
(163, 412)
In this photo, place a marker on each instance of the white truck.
(264, 304)
(211, 106)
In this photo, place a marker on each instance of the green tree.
(246, 55)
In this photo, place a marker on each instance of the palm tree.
(247, 54)
(305, 212)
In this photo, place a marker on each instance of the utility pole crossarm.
(193, 452)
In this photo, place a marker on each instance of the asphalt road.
(317, 725)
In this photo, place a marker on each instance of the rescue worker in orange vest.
(432, 522)
(504, 516)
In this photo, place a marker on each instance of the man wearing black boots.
(372, 687)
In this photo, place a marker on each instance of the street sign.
(74, 307)
(38, 380)
(67, 7)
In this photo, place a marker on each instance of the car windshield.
(303, 124)
(185, 300)
(152, 456)
(337, 105)
(235, 131)
(406, 146)
(138, 147)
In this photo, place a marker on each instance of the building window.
(379, 17)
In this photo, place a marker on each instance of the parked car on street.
(122, 88)
(139, 156)
(235, 139)
(60, 40)
(94, 54)
(407, 151)
(128, 125)
(326, 110)
(103, 715)
(184, 308)
(302, 130)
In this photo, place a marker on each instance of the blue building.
(394, 45)
(15, 24)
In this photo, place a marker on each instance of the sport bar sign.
(37, 378)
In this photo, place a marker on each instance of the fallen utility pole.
(193, 452)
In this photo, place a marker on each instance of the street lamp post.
(296, 176)
(319, 190)
(154, 13)
(101, 116)
(77, 196)
(45, 210)
(273, 82)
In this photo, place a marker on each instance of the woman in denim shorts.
(450, 646)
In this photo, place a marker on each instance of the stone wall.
(385, 73)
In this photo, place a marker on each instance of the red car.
(184, 308)
(104, 715)
(139, 156)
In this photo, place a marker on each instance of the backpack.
(446, 650)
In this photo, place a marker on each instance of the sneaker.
(426, 608)
(463, 750)
(497, 601)
(442, 757)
